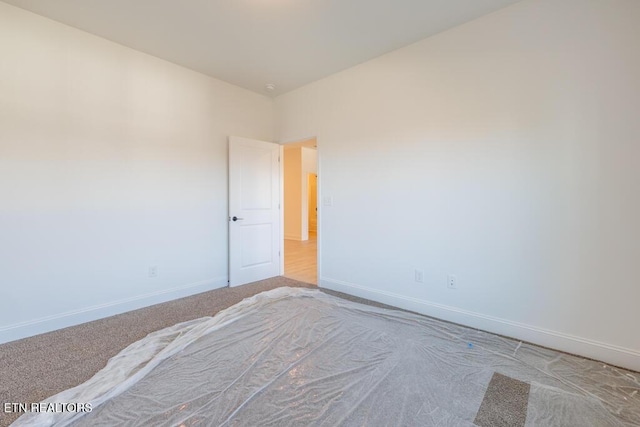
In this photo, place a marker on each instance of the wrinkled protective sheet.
(302, 357)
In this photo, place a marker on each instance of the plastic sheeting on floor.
(302, 357)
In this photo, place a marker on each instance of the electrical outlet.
(153, 272)
(452, 282)
(419, 275)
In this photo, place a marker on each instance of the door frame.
(318, 204)
(281, 239)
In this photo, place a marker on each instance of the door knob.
(235, 218)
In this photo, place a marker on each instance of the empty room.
(320, 213)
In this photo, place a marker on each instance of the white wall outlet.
(419, 275)
(153, 272)
(452, 281)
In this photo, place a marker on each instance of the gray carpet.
(504, 404)
(35, 368)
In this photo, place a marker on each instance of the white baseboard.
(612, 354)
(87, 314)
(292, 237)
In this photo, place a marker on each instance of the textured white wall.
(111, 161)
(505, 151)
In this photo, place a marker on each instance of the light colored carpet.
(35, 368)
(504, 404)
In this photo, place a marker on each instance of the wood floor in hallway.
(301, 259)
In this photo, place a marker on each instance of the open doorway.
(300, 166)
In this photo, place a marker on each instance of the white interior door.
(254, 210)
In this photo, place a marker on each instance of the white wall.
(111, 161)
(505, 151)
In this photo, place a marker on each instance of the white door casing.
(254, 201)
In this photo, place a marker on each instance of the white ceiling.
(254, 42)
